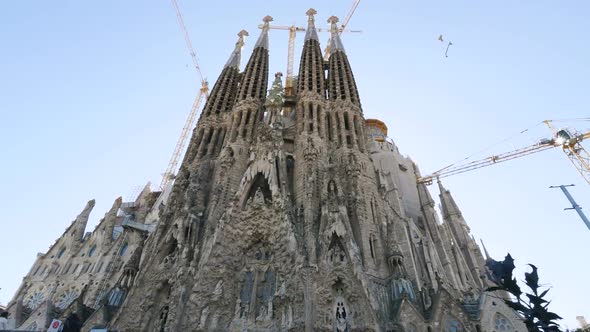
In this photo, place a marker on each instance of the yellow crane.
(202, 94)
(568, 141)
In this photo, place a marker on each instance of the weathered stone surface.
(286, 215)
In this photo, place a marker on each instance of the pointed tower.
(311, 68)
(78, 228)
(210, 133)
(311, 84)
(346, 126)
(432, 229)
(467, 252)
(341, 84)
(252, 91)
(310, 146)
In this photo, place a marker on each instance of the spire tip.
(333, 19)
(267, 19)
(243, 34)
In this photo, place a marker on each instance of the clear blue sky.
(93, 95)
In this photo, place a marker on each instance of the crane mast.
(570, 143)
(202, 94)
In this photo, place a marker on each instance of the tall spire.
(485, 250)
(311, 31)
(341, 84)
(335, 42)
(311, 67)
(263, 39)
(255, 78)
(236, 55)
(224, 91)
(79, 225)
(448, 204)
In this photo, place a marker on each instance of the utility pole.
(575, 205)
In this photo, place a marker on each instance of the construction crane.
(289, 83)
(568, 141)
(203, 93)
(293, 30)
(355, 4)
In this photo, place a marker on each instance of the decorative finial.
(241, 37)
(335, 42)
(234, 59)
(311, 33)
(278, 75)
(267, 19)
(333, 19)
(263, 39)
(311, 12)
(243, 34)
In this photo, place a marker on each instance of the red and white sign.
(55, 326)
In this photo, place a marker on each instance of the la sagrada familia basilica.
(290, 212)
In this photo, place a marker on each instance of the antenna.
(575, 205)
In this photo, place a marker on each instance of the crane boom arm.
(569, 142)
(187, 39)
(169, 174)
(203, 94)
(349, 15)
(488, 161)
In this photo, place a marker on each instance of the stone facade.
(289, 213)
(80, 269)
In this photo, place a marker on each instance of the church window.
(277, 170)
(451, 324)
(247, 117)
(91, 251)
(37, 270)
(319, 117)
(35, 300)
(66, 298)
(123, 249)
(246, 294)
(501, 323)
(329, 125)
(346, 123)
(206, 144)
(372, 244)
(116, 297)
(290, 172)
(61, 252)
